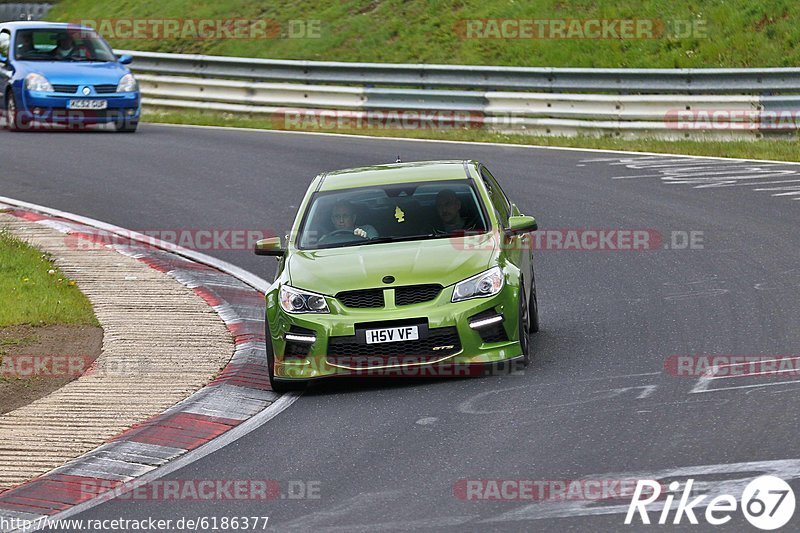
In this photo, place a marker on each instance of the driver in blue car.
(343, 218)
(65, 46)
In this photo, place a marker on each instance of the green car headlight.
(484, 284)
(297, 301)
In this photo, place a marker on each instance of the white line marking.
(710, 175)
(714, 171)
(737, 387)
(769, 182)
(760, 362)
(703, 383)
(768, 373)
(475, 143)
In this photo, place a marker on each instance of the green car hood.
(444, 261)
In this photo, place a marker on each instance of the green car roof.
(393, 174)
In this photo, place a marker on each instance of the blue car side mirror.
(3, 59)
(126, 59)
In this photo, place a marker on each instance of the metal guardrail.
(22, 11)
(723, 103)
(475, 76)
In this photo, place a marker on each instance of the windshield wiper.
(379, 240)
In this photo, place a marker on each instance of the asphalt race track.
(597, 401)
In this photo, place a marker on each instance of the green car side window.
(499, 200)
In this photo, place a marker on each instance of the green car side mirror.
(269, 246)
(520, 224)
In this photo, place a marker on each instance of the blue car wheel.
(13, 119)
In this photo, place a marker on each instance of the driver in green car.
(343, 218)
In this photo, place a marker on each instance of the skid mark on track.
(471, 405)
(687, 290)
(483, 402)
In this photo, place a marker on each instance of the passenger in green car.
(448, 208)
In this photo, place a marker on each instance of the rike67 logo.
(767, 503)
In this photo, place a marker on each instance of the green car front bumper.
(453, 341)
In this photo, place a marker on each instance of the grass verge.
(686, 33)
(780, 150)
(34, 291)
(43, 316)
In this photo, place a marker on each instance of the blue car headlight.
(127, 84)
(37, 82)
(297, 301)
(485, 284)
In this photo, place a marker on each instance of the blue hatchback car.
(58, 73)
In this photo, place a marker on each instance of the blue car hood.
(75, 72)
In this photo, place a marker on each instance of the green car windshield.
(388, 213)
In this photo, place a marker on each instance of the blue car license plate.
(87, 104)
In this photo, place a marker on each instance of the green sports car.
(408, 269)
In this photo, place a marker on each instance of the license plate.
(405, 333)
(87, 104)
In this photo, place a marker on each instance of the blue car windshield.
(395, 212)
(61, 44)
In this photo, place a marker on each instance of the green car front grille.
(438, 343)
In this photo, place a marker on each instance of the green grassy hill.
(738, 33)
